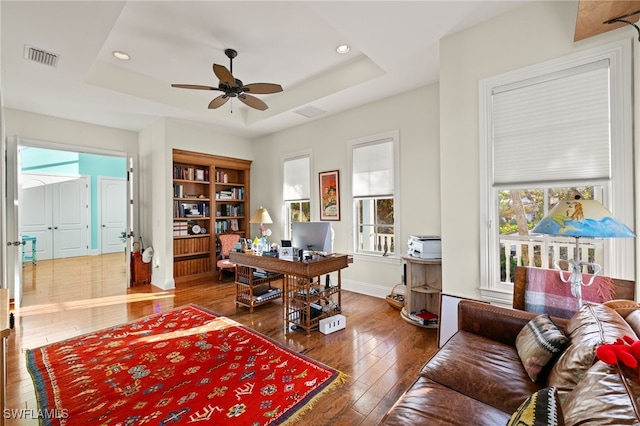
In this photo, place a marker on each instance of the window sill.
(393, 259)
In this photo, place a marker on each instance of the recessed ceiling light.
(342, 49)
(121, 55)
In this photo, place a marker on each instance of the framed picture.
(329, 195)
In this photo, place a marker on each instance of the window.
(374, 186)
(296, 190)
(545, 130)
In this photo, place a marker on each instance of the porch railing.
(542, 252)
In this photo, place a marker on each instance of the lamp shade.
(261, 216)
(582, 218)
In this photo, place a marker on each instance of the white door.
(71, 218)
(36, 213)
(133, 222)
(14, 257)
(113, 214)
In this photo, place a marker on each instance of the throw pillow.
(540, 409)
(538, 342)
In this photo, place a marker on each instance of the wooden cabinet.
(422, 294)
(210, 196)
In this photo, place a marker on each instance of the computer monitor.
(312, 236)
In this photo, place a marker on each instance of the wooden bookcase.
(423, 289)
(210, 196)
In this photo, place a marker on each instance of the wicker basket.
(396, 298)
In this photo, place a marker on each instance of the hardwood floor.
(380, 353)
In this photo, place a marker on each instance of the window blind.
(373, 173)
(296, 179)
(556, 127)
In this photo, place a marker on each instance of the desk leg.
(340, 289)
(286, 301)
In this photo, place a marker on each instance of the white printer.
(425, 247)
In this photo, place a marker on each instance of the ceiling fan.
(234, 88)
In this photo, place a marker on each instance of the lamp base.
(575, 276)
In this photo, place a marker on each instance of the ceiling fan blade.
(218, 102)
(194, 86)
(253, 102)
(262, 88)
(224, 75)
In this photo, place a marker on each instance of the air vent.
(310, 111)
(41, 56)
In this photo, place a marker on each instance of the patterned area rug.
(184, 366)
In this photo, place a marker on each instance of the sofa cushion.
(538, 342)
(483, 369)
(429, 403)
(606, 395)
(633, 319)
(591, 326)
(540, 409)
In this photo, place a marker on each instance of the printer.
(425, 246)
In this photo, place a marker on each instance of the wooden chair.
(227, 242)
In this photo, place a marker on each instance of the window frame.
(618, 190)
(286, 204)
(394, 137)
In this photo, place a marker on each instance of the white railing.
(542, 252)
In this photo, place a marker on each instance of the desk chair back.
(227, 242)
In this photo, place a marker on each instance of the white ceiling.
(394, 48)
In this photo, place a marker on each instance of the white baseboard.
(366, 288)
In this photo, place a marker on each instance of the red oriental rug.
(184, 366)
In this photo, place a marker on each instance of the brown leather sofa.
(477, 377)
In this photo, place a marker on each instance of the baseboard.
(369, 289)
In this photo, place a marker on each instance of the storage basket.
(396, 298)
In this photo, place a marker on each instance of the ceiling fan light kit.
(233, 87)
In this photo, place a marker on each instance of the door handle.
(104, 226)
(55, 227)
(16, 243)
(49, 228)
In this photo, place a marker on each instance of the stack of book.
(180, 228)
(424, 317)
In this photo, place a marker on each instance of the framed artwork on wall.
(329, 195)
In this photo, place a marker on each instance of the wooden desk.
(298, 289)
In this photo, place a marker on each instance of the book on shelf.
(424, 317)
(190, 173)
(180, 229)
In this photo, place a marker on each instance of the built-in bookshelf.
(210, 196)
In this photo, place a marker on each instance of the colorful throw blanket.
(546, 293)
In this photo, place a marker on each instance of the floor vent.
(41, 56)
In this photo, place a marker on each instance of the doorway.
(62, 203)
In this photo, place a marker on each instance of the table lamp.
(577, 217)
(261, 216)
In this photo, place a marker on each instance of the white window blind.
(555, 127)
(297, 179)
(373, 173)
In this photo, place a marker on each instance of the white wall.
(415, 115)
(536, 32)
(45, 128)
